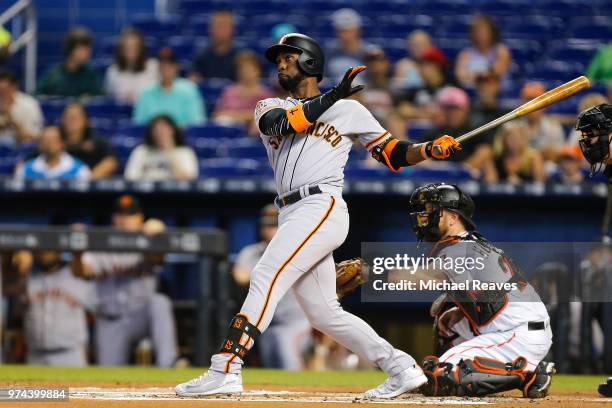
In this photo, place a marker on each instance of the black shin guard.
(483, 376)
(240, 329)
(478, 377)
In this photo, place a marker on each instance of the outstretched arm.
(285, 122)
(400, 153)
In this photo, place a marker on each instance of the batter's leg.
(163, 330)
(316, 293)
(309, 231)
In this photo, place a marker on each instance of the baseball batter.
(308, 137)
(496, 338)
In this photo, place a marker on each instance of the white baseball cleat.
(209, 383)
(406, 381)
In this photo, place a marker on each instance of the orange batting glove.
(440, 148)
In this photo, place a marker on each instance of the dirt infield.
(106, 395)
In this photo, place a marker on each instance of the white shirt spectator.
(125, 86)
(154, 164)
(26, 113)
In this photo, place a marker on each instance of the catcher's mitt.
(349, 276)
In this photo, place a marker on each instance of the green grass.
(252, 376)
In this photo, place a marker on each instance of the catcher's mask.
(426, 204)
(595, 124)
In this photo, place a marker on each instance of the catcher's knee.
(473, 377)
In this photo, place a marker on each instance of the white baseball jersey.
(56, 315)
(319, 154)
(124, 281)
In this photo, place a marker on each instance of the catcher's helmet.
(426, 223)
(311, 59)
(595, 122)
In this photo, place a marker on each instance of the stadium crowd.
(422, 95)
(163, 124)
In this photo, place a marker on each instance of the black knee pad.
(239, 329)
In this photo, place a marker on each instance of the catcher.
(487, 341)
(595, 124)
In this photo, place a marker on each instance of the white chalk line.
(166, 394)
(258, 396)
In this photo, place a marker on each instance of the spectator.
(74, 76)
(569, 170)
(407, 74)
(377, 94)
(600, 68)
(129, 308)
(21, 119)
(237, 102)
(5, 43)
(487, 53)
(545, 133)
(454, 105)
(173, 96)
(217, 59)
(433, 69)
(83, 143)
(52, 161)
(486, 107)
(163, 155)
(349, 49)
(55, 321)
(283, 343)
(132, 71)
(514, 160)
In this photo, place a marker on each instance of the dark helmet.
(595, 122)
(426, 223)
(311, 59)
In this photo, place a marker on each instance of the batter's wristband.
(297, 118)
(426, 150)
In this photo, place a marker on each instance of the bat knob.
(437, 150)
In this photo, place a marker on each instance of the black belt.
(295, 196)
(535, 326)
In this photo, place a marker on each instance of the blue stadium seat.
(446, 171)
(152, 25)
(554, 71)
(107, 107)
(183, 46)
(52, 109)
(577, 51)
(246, 149)
(592, 28)
(128, 128)
(102, 125)
(524, 50)
(416, 130)
(367, 171)
(212, 131)
(228, 167)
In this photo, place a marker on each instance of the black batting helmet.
(426, 223)
(311, 59)
(595, 122)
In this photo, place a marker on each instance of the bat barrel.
(487, 126)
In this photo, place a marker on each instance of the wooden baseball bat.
(543, 101)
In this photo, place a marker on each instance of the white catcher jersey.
(319, 154)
